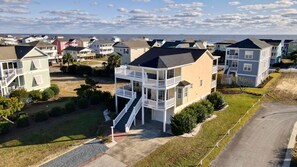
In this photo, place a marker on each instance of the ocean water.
(209, 38)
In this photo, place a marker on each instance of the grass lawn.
(188, 151)
(88, 63)
(105, 58)
(275, 77)
(31, 148)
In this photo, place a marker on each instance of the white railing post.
(126, 108)
(112, 134)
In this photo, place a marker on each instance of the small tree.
(113, 61)
(21, 94)
(88, 88)
(35, 95)
(55, 88)
(8, 106)
(183, 122)
(67, 58)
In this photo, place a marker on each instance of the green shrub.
(217, 99)
(35, 95)
(4, 127)
(72, 69)
(48, 94)
(95, 98)
(201, 112)
(82, 103)
(183, 122)
(63, 69)
(70, 107)
(209, 106)
(21, 94)
(23, 120)
(55, 89)
(56, 111)
(84, 70)
(41, 116)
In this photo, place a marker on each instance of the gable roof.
(288, 40)
(14, 52)
(171, 44)
(74, 48)
(168, 57)
(227, 42)
(151, 43)
(40, 44)
(133, 44)
(251, 43)
(272, 41)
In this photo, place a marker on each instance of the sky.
(149, 16)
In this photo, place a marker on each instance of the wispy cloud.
(234, 3)
(274, 5)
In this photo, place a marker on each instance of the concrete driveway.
(263, 140)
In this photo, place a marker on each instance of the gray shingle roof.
(74, 48)
(168, 57)
(272, 41)
(40, 44)
(250, 43)
(133, 44)
(14, 52)
(227, 42)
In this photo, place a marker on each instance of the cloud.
(168, 1)
(234, 3)
(95, 3)
(14, 9)
(15, 1)
(141, 0)
(123, 10)
(276, 4)
(110, 5)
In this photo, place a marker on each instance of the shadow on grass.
(75, 126)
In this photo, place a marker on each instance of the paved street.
(263, 141)
(79, 155)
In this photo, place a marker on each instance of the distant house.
(23, 67)
(153, 44)
(159, 42)
(286, 47)
(183, 44)
(102, 47)
(247, 62)
(49, 49)
(221, 46)
(116, 39)
(63, 43)
(130, 50)
(292, 46)
(276, 52)
(163, 81)
(83, 42)
(9, 40)
(34, 38)
(79, 52)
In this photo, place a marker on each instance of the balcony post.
(116, 103)
(132, 85)
(157, 98)
(164, 120)
(157, 80)
(142, 97)
(165, 92)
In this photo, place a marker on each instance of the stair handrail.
(124, 111)
(135, 111)
(9, 78)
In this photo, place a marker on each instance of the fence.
(228, 132)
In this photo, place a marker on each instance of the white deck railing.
(160, 104)
(232, 56)
(161, 83)
(215, 69)
(124, 111)
(124, 92)
(124, 71)
(133, 115)
(11, 76)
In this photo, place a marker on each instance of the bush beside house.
(188, 118)
(4, 127)
(48, 94)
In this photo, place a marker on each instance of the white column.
(164, 120)
(116, 97)
(165, 96)
(19, 84)
(157, 99)
(142, 93)
(132, 85)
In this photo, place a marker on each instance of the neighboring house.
(23, 67)
(276, 52)
(210, 47)
(83, 42)
(116, 39)
(153, 44)
(79, 52)
(9, 40)
(34, 38)
(130, 50)
(63, 43)
(163, 81)
(221, 46)
(159, 42)
(102, 47)
(292, 47)
(247, 62)
(49, 49)
(183, 44)
(286, 47)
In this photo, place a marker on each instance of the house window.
(38, 80)
(179, 93)
(186, 92)
(170, 73)
(4, 66)
(201, 82)
(161, 95)
(248, 55)
(247, 67)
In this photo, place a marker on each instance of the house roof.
(40, 44)
(272, 42)
(85, 39)
(170, 44)
(251, 43)
(168, 57)
(106, 42)
(14, 52)
(227, 42)
(183, 83)
(134, 44)
(74, 48)
(151, 43)
(288, 40)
